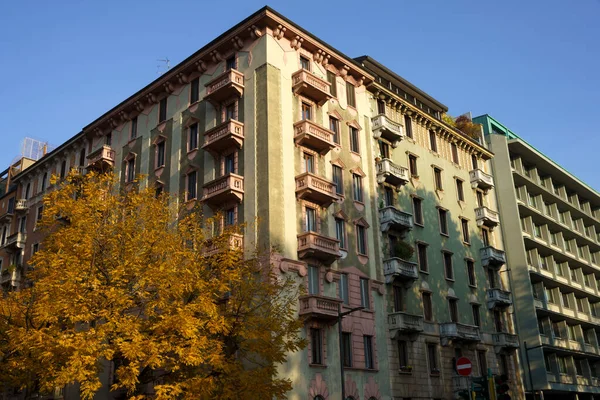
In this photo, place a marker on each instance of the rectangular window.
(418, 210)
(316, 346)
(454, 153)
(364, 293)
(160, 154)
(350, 94)
(306, 111)
(432, 141)
(130, 169)
(464, 224)
(338, 179)
(453, 307)
(229, 216)
(443, 219)
(162, 110)
(483, 368)
(334, 126)
(311, 219)
(476, 315)
(313, 279)
(304, 63)
(402, 354)
(388, 196)
(547, 363)
(340, 232)
(437, 175)
(471, 273)
(578, 366)
(432, 358)
(384, 149)
(347, 349)
(230, 63)
(398, 298)
(368, 344)
(63, 169)
(562, 365)
(191, 185)
(480, 202)
(344, 296)
(422, 256)
(565, 300)
(460, 193)
(498, 321)
(361, 240)
(193, 137)
(357, 187)
(229, 163)
(23, 224)
(354, 143)
(412, 165)
(474, 162)
(408, 126)
(485, 237)
(230, 112)
(309, 163)
(195, 90)
(448, 266)
(331, 79)
(556, 329)
(380, 107)
(40, 212)
(427, 307)
(571, 332)
(108, 139)
(133, 133)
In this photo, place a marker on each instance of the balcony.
(401, 322)
(315, 189)
(397, 268)
(16, 241)
(481, 180)
(226, 135)
(21, 205)
(391, 173)
(505, 340)
(224, 189)
(498, 298)
(313, 245)
(314, 136)
(492, 257)
(392, 218)
(309, 85)
(233, 241)
(459, 332)
(383, 127)
(228, 84)
(101, 159)
(486, 217)
(319, 307)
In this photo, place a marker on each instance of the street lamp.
(339, 322)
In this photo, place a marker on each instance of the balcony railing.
(315, 189)
(16, 241)
(403, 322)
(310, 85)
(224, 189)
(492, 257)
(234, 241)
(314, 245)
(314, 136)
(384, 127)
(391, 173)
(228, 84)
(480, 179)
(506, 340)
(392, 218)
(319, 307)
(486, 217)
(102, 158)
(460, 332)
(223, 136)
(21, 205)
(397, 268)
(498, 298)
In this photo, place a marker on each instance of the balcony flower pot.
(406, 369)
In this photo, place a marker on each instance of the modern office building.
(349, 167)
(551, 224)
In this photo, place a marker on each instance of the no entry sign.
(463, 366)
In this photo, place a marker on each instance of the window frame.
(357, 188)
(194, 90)
(162, 109)
(443, 221)
(316, 349)
(193, 138)
(464, 226)
(191, 191)
(427, 301)
(413, 168)
(365, 298)
(417, 204)
(447, 256)
(334, 126)
(368, 352)
(460, 191)
(362, 246)
(354, 135)
(433, 145)
(341, 234)
(350, 95)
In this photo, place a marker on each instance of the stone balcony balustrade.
(320, 247)
(385, 128)
(391, 173)
(229, 84)
(480, 179)
(498, 298)
(309, 134)
(486, 217)
(318, 307)
(402, 322)
(505, 340)
(315, 189)
(397, 268)
(392, 218)
(224, 189)
(101, 159)
(460, 332)
(223, 136)
(307, 84)
(492, 257)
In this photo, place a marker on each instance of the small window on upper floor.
(63, 169)
(133, 132)
(194, 90)
(408, 126)
(162, 110)
(354, 140)
(380, 106)
(350, 94)
(231, 63)
(331, 78)
(334, 126)
(160, 154)
(455, 153)
(437, 175)
(474, 161)
(412, 166)
(432, 141)
(193, 137)
(306, 111)
(364, 293)
(130, 170)
(44, 181)
(304, 63)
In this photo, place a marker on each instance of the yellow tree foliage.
(127, 282)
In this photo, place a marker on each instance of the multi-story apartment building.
(551, 224)
(348, 166)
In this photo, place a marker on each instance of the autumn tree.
(166, 300)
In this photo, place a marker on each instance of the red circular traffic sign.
(463, 366)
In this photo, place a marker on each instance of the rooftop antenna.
(166, 66)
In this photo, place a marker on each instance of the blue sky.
(534, 65)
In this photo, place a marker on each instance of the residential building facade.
(551, 223)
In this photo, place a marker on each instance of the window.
(108, 139)
(44, 181)
(471, 273)
(230, 113)
(34, 249)
(565, 300)
(191, 185)
(537, 231)
(437, 175)
(160, 154)
(476, 315)
(574, 275)
(562, 364)
(368, 344)
(460, 193)
(427, 307)
(586, 280)
(412, 165)
(364, 293)
(578, 366)
(418, 210)
(306, 111)
(388, 196)
(443, 218)
(23, 224)
(230, 63)
(347, 349)
(331, 79)
(354, 144)
(340, 232)
(504, 369)
(313, 279)
(485, 237)
(195, 90)
(134, 123)
(453, 307)
(498, 325)
(481, 358)
(193, 137)
(229, 163)
(334, 126)
(556, 329)
(408, 126)
(229, 217)
(422, 256)
(541, 327)
(480, 202)
(344, 296)
(82, 157)
(550, 295)
(309, 163)
(357, 187)
(492, 279)
(316, 346)
(27, 191)
(162, 110)
(432, 141)
(454, 153)
(571, 332)
(398, 299)
(380, 107)
(40, 212)
(384, 149)
(402, 353)
(547, 363)
(361, 240)
(130, 167)
(311, 219)
(350, 95)
(63, 169)
(304, 63)
(338, 179)
(553, 239)
(448, 266)
(474, 161)
(432, 358)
